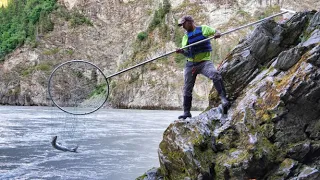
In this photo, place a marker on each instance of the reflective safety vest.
(195, 36)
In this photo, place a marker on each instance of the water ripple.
(113, 144)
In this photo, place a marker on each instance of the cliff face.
(103, 43)
(111, 43)
(272, 130)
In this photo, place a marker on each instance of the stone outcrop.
(272, 130)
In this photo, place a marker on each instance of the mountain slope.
(111, 42)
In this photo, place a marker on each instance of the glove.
(180, 51)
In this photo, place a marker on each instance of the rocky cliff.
(272, 130)
(110, 41)
(25, 72)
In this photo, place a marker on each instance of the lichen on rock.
(272, 129)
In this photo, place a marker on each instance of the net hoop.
(81, 61)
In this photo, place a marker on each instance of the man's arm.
(217, 34)
(183, 44)
(208, 31)
(183, 51)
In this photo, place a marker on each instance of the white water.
(113, 144)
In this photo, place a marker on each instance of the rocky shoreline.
(272, 130)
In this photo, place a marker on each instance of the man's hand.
(180, 51)
(217, 35)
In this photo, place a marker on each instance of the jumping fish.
(60, 147)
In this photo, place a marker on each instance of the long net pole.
(228, 32)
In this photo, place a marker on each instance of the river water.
(113, 144)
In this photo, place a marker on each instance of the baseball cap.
(184, 19)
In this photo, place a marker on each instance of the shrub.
(79, 19)
(142, 36)
(159, 15)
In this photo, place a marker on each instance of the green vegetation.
(134, 77)
(145, 42)
(21, 21)
(74, 17)
(159, 15)
(100, 89)
(142, 36)
(77, 74)
(69, 51)
(157, 21)
(178, 167)
(46, 67)
(14, 91)
(142, 177)
(51, 51)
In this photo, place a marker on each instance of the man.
(199, 62)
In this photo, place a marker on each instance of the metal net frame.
(78, 87)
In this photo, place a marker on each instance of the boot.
(186, 107)
(222, 93)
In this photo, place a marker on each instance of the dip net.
(78, 87)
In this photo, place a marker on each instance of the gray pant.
(191, 71)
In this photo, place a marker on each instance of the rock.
(183, 140)
(294, 28)
(314, 22)
(152, 174)
(114, 51)
(272, 128)
(264, 44)
(313, 130)
(287, 59)
(309, 173)
(314, 57)
(284, 170)
(313, 39)
(299, 151)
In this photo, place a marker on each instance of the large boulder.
(272, 130)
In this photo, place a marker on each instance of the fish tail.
(75, 149)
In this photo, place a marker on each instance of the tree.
(19, 21)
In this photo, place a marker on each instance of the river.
(113, 144)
